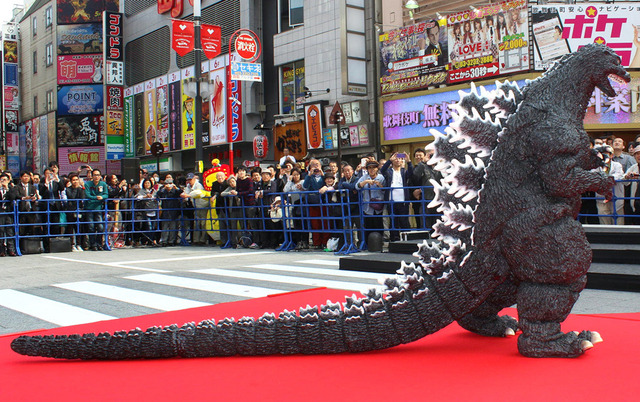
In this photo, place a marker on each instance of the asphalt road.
(51, 290)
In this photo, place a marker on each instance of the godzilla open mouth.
(616, 73)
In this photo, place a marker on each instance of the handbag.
(376, 204)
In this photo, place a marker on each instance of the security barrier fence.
(340, 221)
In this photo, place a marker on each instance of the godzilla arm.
(563, 177)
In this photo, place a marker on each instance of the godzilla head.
(601, 62)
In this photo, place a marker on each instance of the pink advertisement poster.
(72, 158)
(80, 69)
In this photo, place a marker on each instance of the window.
(291, 14)
(49, 54)
(48, 17)
(49, 105)
(292, 84)
(35, 105)
(296, 11)
(35, 62)
(34, 25)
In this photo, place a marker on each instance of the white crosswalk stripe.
(141, 298)
(207, 286)
(296, 280)
(48, 310)
(320, 271)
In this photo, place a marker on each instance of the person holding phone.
(397, 172)
(633, 174)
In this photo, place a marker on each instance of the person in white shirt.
(605, 207)
(286, 156)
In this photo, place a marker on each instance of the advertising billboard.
(413, 57)
(218, 103)
(562, 29)
(72, 131)
(488, 41)
(79, 11)
(80, 99)
(80, 69)
(70, 159)
(79, 39)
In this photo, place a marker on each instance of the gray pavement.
(50, 290)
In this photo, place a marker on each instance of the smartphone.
(401, 155)
(363, 162)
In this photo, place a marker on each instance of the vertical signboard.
(188, 114)
(114, 81)
(138, 122)
(150, 122)
(175, 102)
(234, 108)
(162, 111)
(218, 103)
(129, 134)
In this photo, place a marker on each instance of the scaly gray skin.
(508, 234)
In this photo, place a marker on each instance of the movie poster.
(10, 51)
(79, 39)
(79, 11)
(175, 111)
(11, 74)
(217, 102)
(150, 123)
(10, 120)
(188, 115)
(162, 111)
(72, 131)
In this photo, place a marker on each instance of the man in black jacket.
(422, 174)
(26, 194)
(397, 177)
(169, 196)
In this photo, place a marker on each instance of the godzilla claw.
(571, 344)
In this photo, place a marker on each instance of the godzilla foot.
(571, 344)
(490, 326)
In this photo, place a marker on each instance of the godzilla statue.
(514, 165)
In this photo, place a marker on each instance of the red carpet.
(450, 365)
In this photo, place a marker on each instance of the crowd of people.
(382, 197)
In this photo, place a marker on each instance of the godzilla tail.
(412, 306)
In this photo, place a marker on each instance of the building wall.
(38, 83)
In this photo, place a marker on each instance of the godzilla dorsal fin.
(462, 154)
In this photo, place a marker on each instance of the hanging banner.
(561, 29)
(488, 41)
(313, 125)
(188, 114)
(162, 111)
(182, 40)
(80, 69)
(218, 103)
(211, 39)
(234, 108)
(10, 121)
(175, 105)
(138, 121)
(129, 136)
(150, 122)
(72, 131)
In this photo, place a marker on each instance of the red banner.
(183, 38)
(211, 38)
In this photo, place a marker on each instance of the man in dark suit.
(26, 194)
(49, 191)
(7, 232)
(435, 46)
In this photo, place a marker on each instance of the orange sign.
(313, 122)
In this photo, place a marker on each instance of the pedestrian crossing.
(163, 290)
